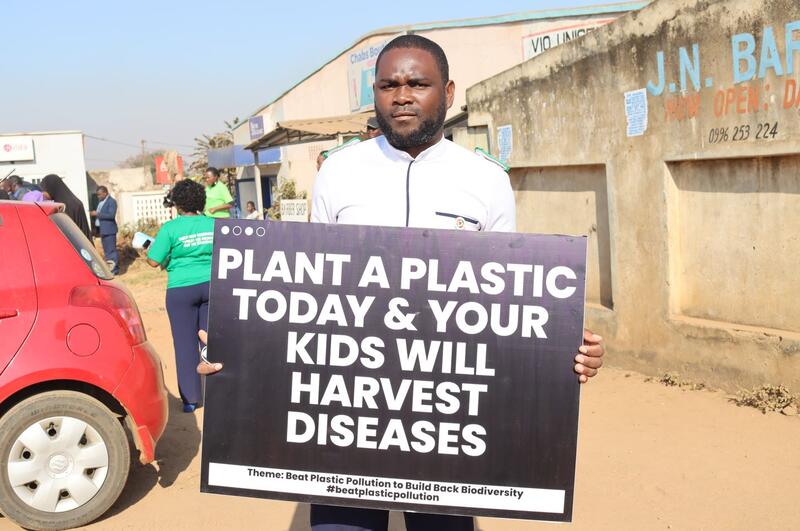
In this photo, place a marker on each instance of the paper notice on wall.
(636, 111)
(504, 142)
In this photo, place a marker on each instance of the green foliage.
(148, 226)
(127, 254)
(147, 160)
(205, 142)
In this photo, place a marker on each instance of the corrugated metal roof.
(621, 7)
(312, 130)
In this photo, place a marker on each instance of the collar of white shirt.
(393, 153)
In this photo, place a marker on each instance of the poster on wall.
(256, 127)
(168, 167)
(505, 142)
(636, 112)
(361, 76)
(409, 369)
(16, 149)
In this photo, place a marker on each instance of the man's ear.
(450, 92)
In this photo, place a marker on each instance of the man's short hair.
(419, 43)
(213, 170)
(15, 179)
(103, 188)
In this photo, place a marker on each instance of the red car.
(79, 382)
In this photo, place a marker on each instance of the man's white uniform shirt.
(445, 187)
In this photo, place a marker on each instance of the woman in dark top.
(54, 189)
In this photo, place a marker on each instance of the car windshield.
(82, 246)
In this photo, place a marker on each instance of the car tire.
(38, 443)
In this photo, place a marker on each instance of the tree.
(205, 142)
(147, 160)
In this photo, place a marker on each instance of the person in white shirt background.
(252, 213)
(413, 177)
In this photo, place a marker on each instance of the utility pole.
(144, 166)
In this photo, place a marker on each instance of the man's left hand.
(590, 359)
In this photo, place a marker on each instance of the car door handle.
(5, 313)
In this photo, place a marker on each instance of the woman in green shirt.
(183, 246)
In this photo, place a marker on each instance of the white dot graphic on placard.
(260, 231)
(237, 230)
(225, 229)
(248, 231)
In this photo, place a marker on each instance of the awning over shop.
(236, 156)
(291, 132)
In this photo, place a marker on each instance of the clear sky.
(168, 71)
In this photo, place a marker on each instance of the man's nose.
(403, 95)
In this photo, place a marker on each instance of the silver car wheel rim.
(58, 464)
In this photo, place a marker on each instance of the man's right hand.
(206, 367)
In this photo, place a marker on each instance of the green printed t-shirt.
(187, 242)
(215, 196)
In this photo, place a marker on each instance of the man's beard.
(420, 136)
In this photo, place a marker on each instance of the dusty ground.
(649, 457)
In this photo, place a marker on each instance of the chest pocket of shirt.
(457, 221)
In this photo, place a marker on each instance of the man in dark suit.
(105, 215)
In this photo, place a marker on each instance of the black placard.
(487, 426)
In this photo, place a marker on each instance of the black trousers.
(187, 308)
(330, 518)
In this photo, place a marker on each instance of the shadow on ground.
(300, 520)
(175, 451)
(127, 256)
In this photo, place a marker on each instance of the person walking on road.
(106, 221)
(183, 247)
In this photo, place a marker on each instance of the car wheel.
(64, 459)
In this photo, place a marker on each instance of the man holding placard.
(390, 180)
(413, 177)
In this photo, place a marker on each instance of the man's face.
(411, 99)
(101, 194)
(211, 179)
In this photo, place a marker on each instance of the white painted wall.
(57, 152)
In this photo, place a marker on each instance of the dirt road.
(649, 457)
